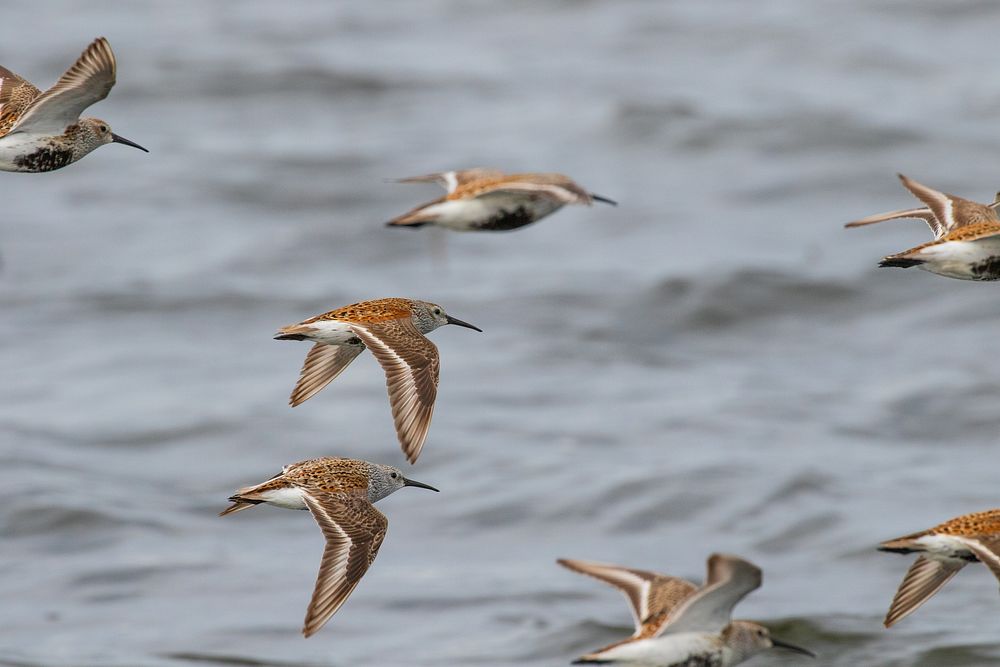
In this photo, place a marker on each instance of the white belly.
(668, 650)
(965, 260)
(460, 214)
(943, 547)
(288, 497)
(470, 214)
(32, 153)
(331, 332)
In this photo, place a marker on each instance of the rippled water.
(713, 365)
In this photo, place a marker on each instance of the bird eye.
(104, 128)
(437, 311)
(393, 475)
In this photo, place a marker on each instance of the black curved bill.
(410, 482)
(791, 647)
(122, 140)
(454, 320)
(603, 200)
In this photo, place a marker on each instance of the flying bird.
(943, 551)
(394, 329)
(489, 200)
(966, 241)
(340, 493)
(678, 624)
(43, 131)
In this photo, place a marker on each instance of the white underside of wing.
(711, 608)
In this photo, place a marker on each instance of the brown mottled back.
(376, 310)
(971, 232)
(977, 523)
(15, 96)
(477, 186)
(974, 231)
(329, 475)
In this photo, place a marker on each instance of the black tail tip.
(895, 550)
(603, 200)
(284, 336)
(900, 262)
(411, 225)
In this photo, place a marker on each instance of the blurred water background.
(715, 365)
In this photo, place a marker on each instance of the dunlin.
(340, 494)
(944, 550)
(394, 330)
(489, 200)
(966, 241)
(679, 625)
(43, 131)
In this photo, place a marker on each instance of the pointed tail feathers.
(413, 219)
(900, 262)
(239, 505)
(292, 332)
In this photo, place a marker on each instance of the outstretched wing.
(322, 365)
(354, 531)
(924, 578)
(711, 608)
(89, 80)
(451, 180)
(652, 596)
(411, 366)
(918, 213)
(951, 212)
(15, 96)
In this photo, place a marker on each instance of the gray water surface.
(714, 365)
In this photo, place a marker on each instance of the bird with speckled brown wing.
(43, 131)
(944, 550)
(678, 624)
(489, 200)
(651, 596)
(966, 241)
(340, 493)
(394, 329)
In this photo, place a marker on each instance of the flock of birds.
(677, 624)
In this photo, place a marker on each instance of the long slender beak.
(777, 643)
(455, 320)
(411, 482)
(122, 140)
(603, 200)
